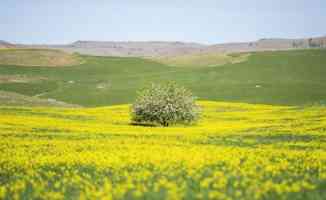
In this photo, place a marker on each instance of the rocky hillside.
(172, 49)
(269, 44)
(147, 49)
(5, 45)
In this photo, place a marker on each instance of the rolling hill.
(295, 77)
(38, 57)
(159, 49)
(5, 45)
(126, 49)
(272, 44)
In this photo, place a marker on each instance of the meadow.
(264, 77)
(261, 134)
(236, 151)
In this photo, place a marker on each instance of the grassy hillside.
(37, 57)
(236, 150)
(203, 59)
(14, 99)
(285, 78)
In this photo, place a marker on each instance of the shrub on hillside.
(165, 104)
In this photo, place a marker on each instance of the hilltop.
(5, 45)
(38, 57)
(160, 49)
(272, 44)
(127, 49)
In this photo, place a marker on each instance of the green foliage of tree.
(165, 104)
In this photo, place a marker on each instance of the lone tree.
(165, 104)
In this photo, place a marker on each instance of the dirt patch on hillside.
(15, 99)
(38, 57)
(204, 59)
(19, 79)
(5, 45)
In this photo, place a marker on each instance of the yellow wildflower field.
(236, 151)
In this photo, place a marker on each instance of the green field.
(281, 78)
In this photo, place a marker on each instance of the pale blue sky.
(205, 21)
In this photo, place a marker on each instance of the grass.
(236, 151)
(37, 57)
(278, 78)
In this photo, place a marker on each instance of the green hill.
(38, 57)
(203, 59)
(283, 77)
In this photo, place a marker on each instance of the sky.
(202, 21)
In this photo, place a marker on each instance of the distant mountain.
(4, 44)
(171, 49)
(168, 49)
(137, 49)
(270, 45)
